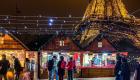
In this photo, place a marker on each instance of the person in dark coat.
(5, 66)
(118, 68)
(138, 73)
(61, 68)
(17, 67)
(52, 68)
(125, 70)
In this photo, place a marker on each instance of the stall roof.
(60, 43)
(101, 45)
(110, 46)
(9, 42)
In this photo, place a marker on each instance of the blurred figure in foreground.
(25, 75)
(118, 68)
(125, 70)
(17, 67)
(5, 66)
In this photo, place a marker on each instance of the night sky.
(54, 7)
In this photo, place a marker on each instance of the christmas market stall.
(11, 46)
(59, 46)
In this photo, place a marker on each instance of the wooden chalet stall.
(100, 61)
(11, 46)
(58, 45)
(96, 60)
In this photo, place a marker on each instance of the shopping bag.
(10, 75)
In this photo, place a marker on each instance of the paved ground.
(110, 78)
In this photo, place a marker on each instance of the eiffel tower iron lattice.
(107, 18)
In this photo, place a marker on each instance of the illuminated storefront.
(58, 46)
(32, 56)
(11, 46)
(99, 56)
(99, 59)
(47, 55)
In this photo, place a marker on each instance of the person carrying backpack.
(61, 68)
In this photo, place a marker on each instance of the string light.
(51, 20)
(57, 32)
(70, 16)
(36, 20)
(64, 21)
(9, 22)
(17, 32)
(13, 31)
(6, 31)
(25, 27)
(50, 24)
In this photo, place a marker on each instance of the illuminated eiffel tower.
(107, 18)
(106, 8)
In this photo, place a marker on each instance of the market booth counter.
(100, 65)
(97, 65)
(90, 72)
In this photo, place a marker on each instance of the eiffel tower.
(107, 18)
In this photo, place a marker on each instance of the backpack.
(63, 65)
(50, 65)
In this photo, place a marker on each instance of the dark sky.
(54, 7)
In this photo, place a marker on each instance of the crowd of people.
(127, 69)
(58, 68)
(15, 72)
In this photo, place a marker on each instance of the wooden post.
(38, 64)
